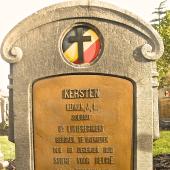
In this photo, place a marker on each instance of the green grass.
(162, 145)
(7, 148)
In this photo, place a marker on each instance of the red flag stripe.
(91, 53)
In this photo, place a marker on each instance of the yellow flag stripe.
(72, 52)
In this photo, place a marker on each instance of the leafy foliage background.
(163, 63)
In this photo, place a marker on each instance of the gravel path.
(162, 162)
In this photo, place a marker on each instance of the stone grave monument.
(83, 88)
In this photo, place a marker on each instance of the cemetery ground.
(161, 150)
(162, 145)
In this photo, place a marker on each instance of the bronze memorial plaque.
(83, 122)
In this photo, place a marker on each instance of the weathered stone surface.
(131, 47)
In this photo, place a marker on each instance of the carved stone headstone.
(83, 88)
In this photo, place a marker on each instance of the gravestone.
(83, 88)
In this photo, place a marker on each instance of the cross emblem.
(80, 39)
(81, 45)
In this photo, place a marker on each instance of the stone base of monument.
(162, 162)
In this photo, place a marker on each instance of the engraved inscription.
(83, 161)
(80, 93)
(85, 128)
(80, 117)
(79, 124)
(104, 160)
(93, 139)
(87, 150)
(61, 161)
(84, 107)
(64, 139)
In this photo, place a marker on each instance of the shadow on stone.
(144, 141)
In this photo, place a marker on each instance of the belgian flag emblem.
(81, 45)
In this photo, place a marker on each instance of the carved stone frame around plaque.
(110, 111)
(130, 51)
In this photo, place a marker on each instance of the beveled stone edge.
(46, 15)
